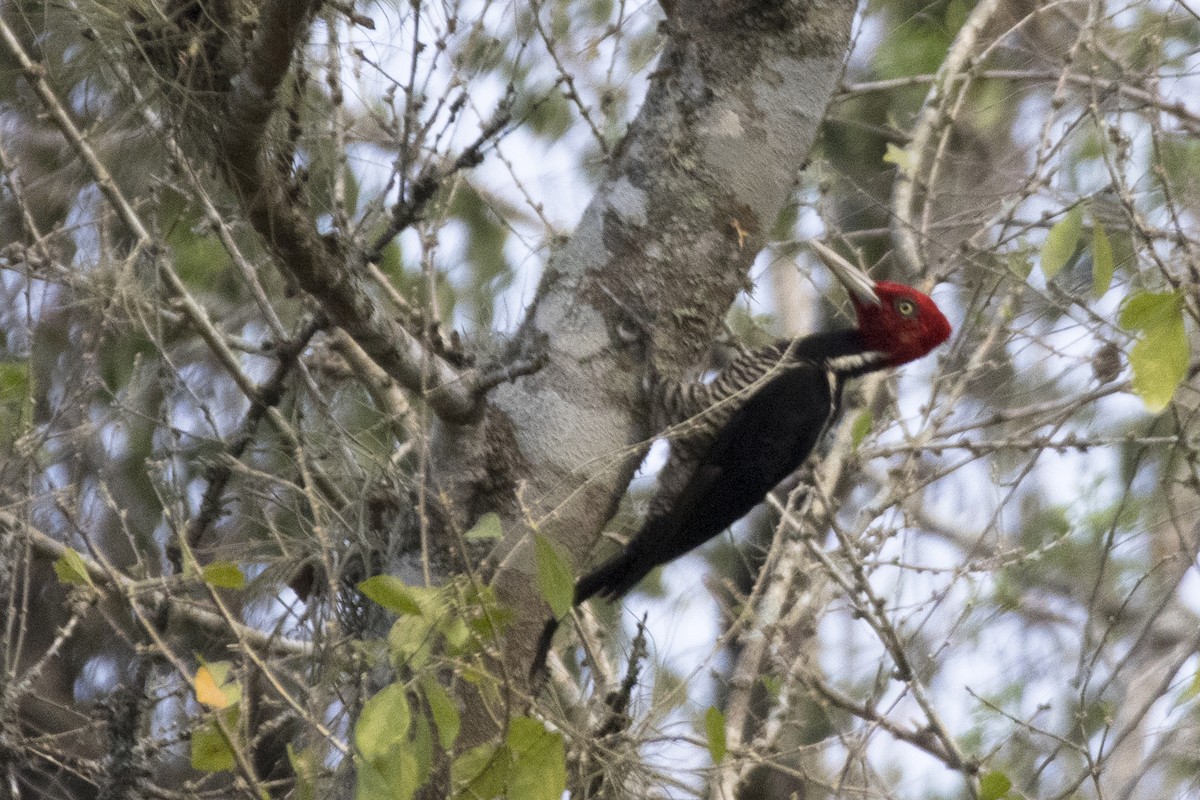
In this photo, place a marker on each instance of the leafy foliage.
(1161, 355)
(528, 765)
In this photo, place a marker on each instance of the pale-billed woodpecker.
(760, 418)
(734, 439)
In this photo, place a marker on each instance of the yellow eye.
(906, 308)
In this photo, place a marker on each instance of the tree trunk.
(661, 251)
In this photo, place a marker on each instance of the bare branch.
(410, 210)
(293, 237)
(905, 228)
(127, 587)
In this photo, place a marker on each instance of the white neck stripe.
(855, 361)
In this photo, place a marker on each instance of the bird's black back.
(765, 440)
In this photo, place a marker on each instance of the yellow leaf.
(224, 575)
(70, 568)
(898, 156)
(208, 686)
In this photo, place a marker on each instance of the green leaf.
(862, 426)
(487, 267)
(551, 117)
(993, 786)
(714, 727)
(539, 770)
(394, 776)
(383, 724)
(1102, 261)
(120, 359)
(1180, 160)
(305, 766)
(1160, 362)
(487, 529)
(391, 261)
(529, 765)
(200, 260)
(556, 580)
(421, 747)
(444, 711)
(1061, 242)
(391, 593)
(224, 575)
(1145, 310)
(785, 222)
(14, 380)
(487, 618)
(1019, 264)
(898, 156)
(410, 640)
(1160, 357)
(210, 750)
(481, 773)
(16, 402)
(69, 568)
(387, 764)
(456, 632)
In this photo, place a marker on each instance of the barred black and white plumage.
(676, 402)
(690, 414)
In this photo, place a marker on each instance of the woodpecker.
(760, 418)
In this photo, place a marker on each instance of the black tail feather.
(609, 581)
(537, 670)
(613, 578)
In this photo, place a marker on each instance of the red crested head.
(905, 324)
(893, 318)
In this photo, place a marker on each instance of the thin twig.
(929, 121)
(292, 234)
(431, 178)
(126, 586)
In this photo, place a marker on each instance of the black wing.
(766, 440)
